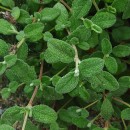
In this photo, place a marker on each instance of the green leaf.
(33, 32)
(87, 23)
(125, 114)
(84, 46)
(51, 94)
(14, 112)
(6, 127)
(111, 64)
(59, 51)
(21, 72)
(126, 13)
(63, 17)
(80, 8)
(15, 13)
(3, 67)
(91, 66)
(47, 36)
(121, 51)
(107, 109)
(83, 93)
(81, 33)
(119, 5)
(49, 14)
(22, 52)
(6, 28)
(109, 82)
(44, 114)
(54, 126)
(5, 93)
(10, 60)
(67, 83)
(106, 46)
(13, 86)
(7, 3)
(124, 81)
(24, 15)
(96, 28)
(104, 19)
(4, 48)
(121, 33)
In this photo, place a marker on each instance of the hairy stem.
(20, 43)
(77, 61)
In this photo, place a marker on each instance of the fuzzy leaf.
(126, 13)
(106, 46)
(33, 32)
(111, 64)
(4, 48)
(13, 112)
(91, 66)
(125, 114)
(104, 19)
(96, 28)
(3, 67)
(44, 114)
(5, 93)
(6, 127)
(63, 17)
(15, 13)
(109, 81)
(7, 3)
(107, 109)
(6, 28)
(124, 81)
(80, 8)
(121, 33)
(10, 60)
(49, 14)
(121, 51)
(21, 72)
(119, 5)
(67, 83)
(59, 51)
(24, 15)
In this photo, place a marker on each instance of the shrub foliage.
(65, 64)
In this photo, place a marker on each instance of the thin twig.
(36, 88)
(95, 4)
(25, 120)
(124, 124)
(65, 104)
(32, 98)
(4, 8)
(125, 103)
(66, 5)
(91, 104)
